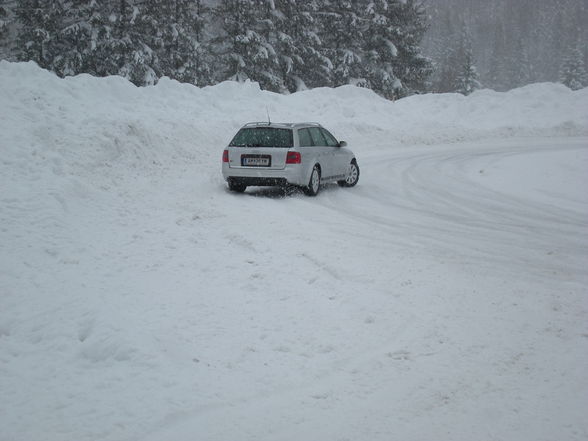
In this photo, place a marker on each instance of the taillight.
(293, 158)
(226, 156)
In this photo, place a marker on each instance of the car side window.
(331, 141)
(304, 138)
(317, 136)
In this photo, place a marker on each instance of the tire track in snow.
(426, 198)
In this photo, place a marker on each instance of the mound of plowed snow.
(83, 124)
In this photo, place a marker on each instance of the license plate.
(256, 161)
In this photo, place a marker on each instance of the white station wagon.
(302, 154)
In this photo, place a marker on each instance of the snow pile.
(139, 300)
(103, 114)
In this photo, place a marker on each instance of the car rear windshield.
(262, 137)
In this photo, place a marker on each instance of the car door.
(310, 153)
(325, 152)
(339, 160)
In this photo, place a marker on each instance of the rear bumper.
(254, 176)
(262, 182)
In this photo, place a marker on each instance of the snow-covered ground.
(443, 298)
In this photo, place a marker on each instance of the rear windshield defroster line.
(263, 137)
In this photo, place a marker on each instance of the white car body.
(302, 147)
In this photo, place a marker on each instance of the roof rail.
(258, 123)
(265, 123)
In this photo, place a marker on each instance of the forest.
(511, 42)
(394, 47)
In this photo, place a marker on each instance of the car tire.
(352, 175)
(314, 184)
(237, 187)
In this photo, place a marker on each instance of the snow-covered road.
(444, 297)
(500, 203)
(428, 302)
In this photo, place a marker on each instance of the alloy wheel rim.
(352, 175)
(315, 180)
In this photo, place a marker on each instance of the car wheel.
(314, 184)
(236, 186)
(352, 175)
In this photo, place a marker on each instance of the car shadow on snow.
(281, 192)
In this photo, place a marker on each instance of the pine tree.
(173, 30)
(285, 45)
(457, 71)
(244, 50)
(6, 26)
(155, 24)
(381, 52)
(3, 23)
(268, 72)
(286, 37)
(40, 23)
(342, 29)
(412, 68)
(573, 72)
(298, 45)
(100, 31)
(189, 55)
(123, 50)
(515, 41)
(467, 80)
(74, 38)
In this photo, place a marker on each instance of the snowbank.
(172, 120)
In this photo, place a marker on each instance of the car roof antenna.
(268, 117)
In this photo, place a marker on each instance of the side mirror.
(342, 143)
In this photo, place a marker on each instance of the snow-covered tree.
(244, 51)
(298, 45)
(123, 49)
(3, 23)
(412, 67)
(100, 26)
(75, 38)
(456, 70)
(154, 24)
(514, 41)
(284, 45)
(467, 78)
(573, 72)
(7, 22)
(342, 29)
(40, 22)
(381, 52)
(189, 53)
(172, 29)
